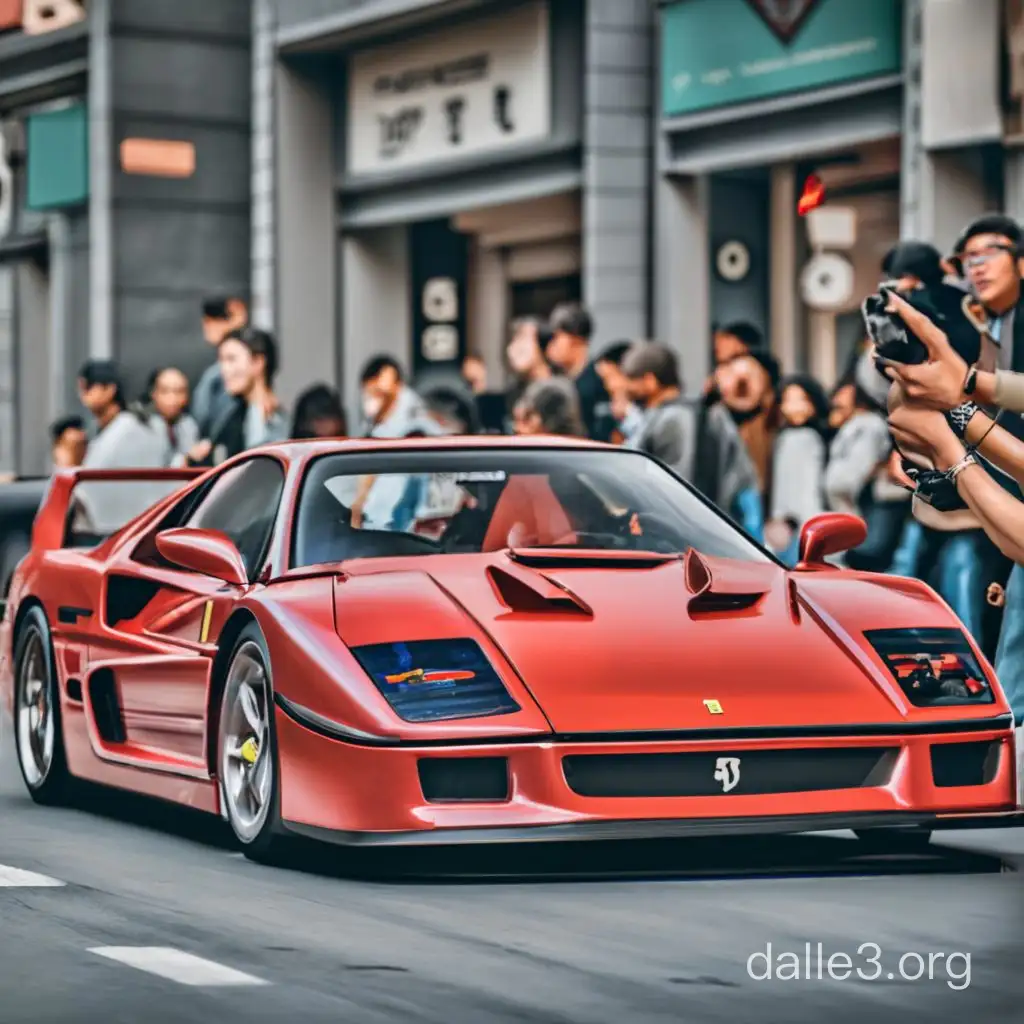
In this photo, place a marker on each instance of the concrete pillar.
(940, 189)
(8, 374)
(1013, 183)
(264, 309)
(377, 313)
(305, 226)
(487, 312)
(101, 167)
(619, 49)
(783, 302)
(682, 282)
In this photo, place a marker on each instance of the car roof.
(302, 450)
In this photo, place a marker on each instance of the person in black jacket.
(572, 329)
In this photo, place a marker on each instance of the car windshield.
(459, 501)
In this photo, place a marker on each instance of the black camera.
(956, 313)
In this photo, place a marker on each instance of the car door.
(161, 622)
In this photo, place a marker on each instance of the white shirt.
(126, 442)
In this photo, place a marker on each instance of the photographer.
(952, 560)
(988, 253)
(920, 425)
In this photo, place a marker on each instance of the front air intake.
(965, 764)
(449, 780)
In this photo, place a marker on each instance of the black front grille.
(965, 764)
(734, 773)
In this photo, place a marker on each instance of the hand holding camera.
(915, 349)
(925, 342)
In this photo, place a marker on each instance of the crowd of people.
(770, 450)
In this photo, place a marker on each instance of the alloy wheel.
(34, 713)
(247, 763)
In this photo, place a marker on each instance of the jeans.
(951, 563)
(750, 513)
(1010, 654)
(960, 581)
(907, 559)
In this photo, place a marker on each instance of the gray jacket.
(670, 433)
(798, 475)
(209, 399)
(857, 456)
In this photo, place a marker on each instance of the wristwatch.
(971, 380)
(960, 417)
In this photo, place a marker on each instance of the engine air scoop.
(718, 586)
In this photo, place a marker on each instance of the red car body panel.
(600, 658)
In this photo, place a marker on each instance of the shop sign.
(36, 17)
(719, 52)
(464, 91)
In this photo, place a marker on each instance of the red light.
(813, 195)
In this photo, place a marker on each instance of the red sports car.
(480, 640)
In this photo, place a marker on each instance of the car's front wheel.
(247, 749)
(38, 736)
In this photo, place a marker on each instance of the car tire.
(38, 725)
(248, 766)
(895, 840)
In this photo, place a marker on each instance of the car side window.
(243, 503)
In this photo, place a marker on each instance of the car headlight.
(436, 680)
(934, 667)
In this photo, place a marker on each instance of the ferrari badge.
(714, 707)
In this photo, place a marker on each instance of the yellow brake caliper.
(250, 751)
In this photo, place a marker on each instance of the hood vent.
(729, 591)
(522, 591)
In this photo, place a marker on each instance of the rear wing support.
(50, 528)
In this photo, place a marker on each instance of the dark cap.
(990, 224)
(915, 259)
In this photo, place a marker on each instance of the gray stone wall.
(179, 70)
(619, 50)
(263, 212)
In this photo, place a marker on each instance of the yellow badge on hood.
(714, 708)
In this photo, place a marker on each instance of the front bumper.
(372, 795)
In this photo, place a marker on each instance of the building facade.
(125, 168)
(406, 176)
(425, 171)
(895, 106)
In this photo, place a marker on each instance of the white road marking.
(176, 965)
(16, 878)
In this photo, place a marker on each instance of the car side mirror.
(207, 552)
(829, 534)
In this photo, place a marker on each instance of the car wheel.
(247, 750)
(38, 736)
(895, 840)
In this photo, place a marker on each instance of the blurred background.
(316, 158)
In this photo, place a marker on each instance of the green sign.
(58, 158)
(717, 52)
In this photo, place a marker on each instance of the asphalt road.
(133, 913)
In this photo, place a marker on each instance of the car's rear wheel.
(247, 759)
(38, 736)
(895, 840)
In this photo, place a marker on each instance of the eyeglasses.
(979, 259)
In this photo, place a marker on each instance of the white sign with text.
(465, 91)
